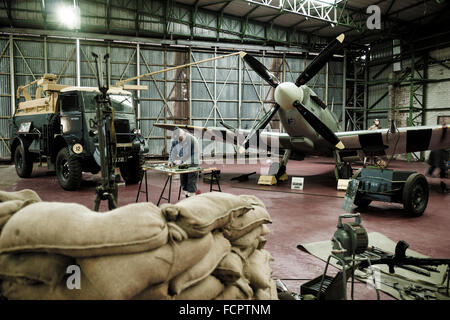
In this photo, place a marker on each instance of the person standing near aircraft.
(438, 159)
(185, 150)
(375, 125)
(377, 160)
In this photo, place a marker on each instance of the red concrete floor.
(297, 217)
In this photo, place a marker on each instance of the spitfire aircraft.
(312, 129)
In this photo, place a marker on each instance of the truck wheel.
(361, 202)
(68, 170)
(23, 162)
(131, 171)
(415, 194)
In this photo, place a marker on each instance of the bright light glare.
(69, 16)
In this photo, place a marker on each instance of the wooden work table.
(170, 172)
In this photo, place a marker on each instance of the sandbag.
(253, 200)
(203, 267)
(261, 243)
(9, 207)
(124, 276)
(155, 292)
(245, 252)
(249, 238)
(246, 223)
(25, 194)
(74, 230)
(269, 293)
(4, 220)
(265, 230)
(258, 270)
(46, 268)
(230, 268)
(240, 290)
(207, 289)
(18, 290)
(176, 233)
(203, 213)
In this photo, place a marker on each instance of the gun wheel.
(415, 194)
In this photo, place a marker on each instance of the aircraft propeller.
(310, 71)
(319, 61)
(260, 69)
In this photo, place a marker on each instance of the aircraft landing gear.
(281, 173)
(342, 169)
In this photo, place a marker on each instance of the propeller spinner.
(288, 94)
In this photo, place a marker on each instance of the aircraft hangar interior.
(224, 150)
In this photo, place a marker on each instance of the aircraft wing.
(233, 136)
(368, 142)
(402, 140)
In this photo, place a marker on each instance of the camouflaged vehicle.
(58, 127)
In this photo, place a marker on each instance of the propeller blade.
(319, 61)
(260, 69)
(259, 126)
(319, 126)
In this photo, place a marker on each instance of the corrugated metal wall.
(378, 97)
(5, 97)
(221, 90)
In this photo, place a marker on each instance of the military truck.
(59, 127)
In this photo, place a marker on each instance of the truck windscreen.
(120, 103)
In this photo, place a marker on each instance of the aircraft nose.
(286, 93)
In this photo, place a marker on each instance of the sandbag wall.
(210, 246)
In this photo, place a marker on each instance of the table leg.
(140, 186)
(170, 188)
(146, 186)
(211, 181)
(139, 189)
(214, 177)
(162, 192)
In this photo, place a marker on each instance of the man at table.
(185, 150)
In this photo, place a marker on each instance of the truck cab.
(60, 128)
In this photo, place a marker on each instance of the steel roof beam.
(8, 11)
(227, 2)
(306, 8)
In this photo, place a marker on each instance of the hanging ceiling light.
(69, 16)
